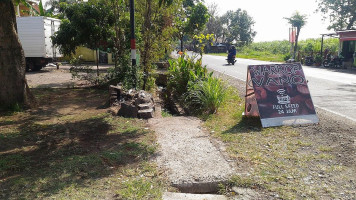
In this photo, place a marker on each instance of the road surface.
(333, 90)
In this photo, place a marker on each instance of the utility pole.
(133, 41)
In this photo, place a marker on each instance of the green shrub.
(182, 71)
(194, 87)
(318, 59)
(205, 96)
(287, 57)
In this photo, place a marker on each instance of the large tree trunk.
(13, 85)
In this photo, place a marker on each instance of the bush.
(194, 87)
(182, 71)
(287, 57)
(205, 96)
(318, 59)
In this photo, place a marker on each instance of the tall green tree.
(14, 90)
(56, 6)
(88, 24)
(122, 31)
(341, 13)
(298, 21)
(156, 20)
(238, 27)
(191, 19)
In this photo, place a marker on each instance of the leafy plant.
(196, 89)
(182, 71)
(205, 96)
(318, 59)
(192, 19)
(287, 57)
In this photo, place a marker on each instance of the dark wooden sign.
(279, 95)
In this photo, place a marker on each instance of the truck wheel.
(29, 66)
(37, 68)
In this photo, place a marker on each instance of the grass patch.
(68, 148)
(278, 160)
(256, 55)
(166, 113)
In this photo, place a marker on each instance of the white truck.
(35, 36)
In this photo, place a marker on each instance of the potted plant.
(318, 60)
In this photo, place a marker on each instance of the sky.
(269, 17)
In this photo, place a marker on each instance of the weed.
(205, 96)
(165, 113)
(325, 148)
(12, 163)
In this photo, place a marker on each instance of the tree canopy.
(298, 21)
(88, 24)
(238, 27)
(192, 19)
(341, 13)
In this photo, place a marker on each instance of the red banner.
(292, 35)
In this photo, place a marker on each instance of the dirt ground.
(334, 132)
(333, 135)
(51, 77)
(69, 147)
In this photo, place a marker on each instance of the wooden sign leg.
(251, 107)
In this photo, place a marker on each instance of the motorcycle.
(333, 62)
(231, 60)
(309, 61)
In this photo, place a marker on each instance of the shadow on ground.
(247, 124)
(66, 141)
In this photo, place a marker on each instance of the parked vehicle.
(333, 62)
(309, 60)
(35, 36)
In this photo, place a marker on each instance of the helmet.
(233, 47)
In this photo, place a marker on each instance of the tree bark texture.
(13, 84)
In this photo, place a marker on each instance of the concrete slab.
(192, 163)
(185, 196)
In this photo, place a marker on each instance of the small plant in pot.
(318, 60)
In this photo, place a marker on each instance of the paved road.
(331, 90)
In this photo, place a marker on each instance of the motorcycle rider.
(232, 52)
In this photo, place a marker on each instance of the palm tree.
(298, 21)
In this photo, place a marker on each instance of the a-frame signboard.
(279, 95)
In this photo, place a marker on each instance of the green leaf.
(42, 13)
